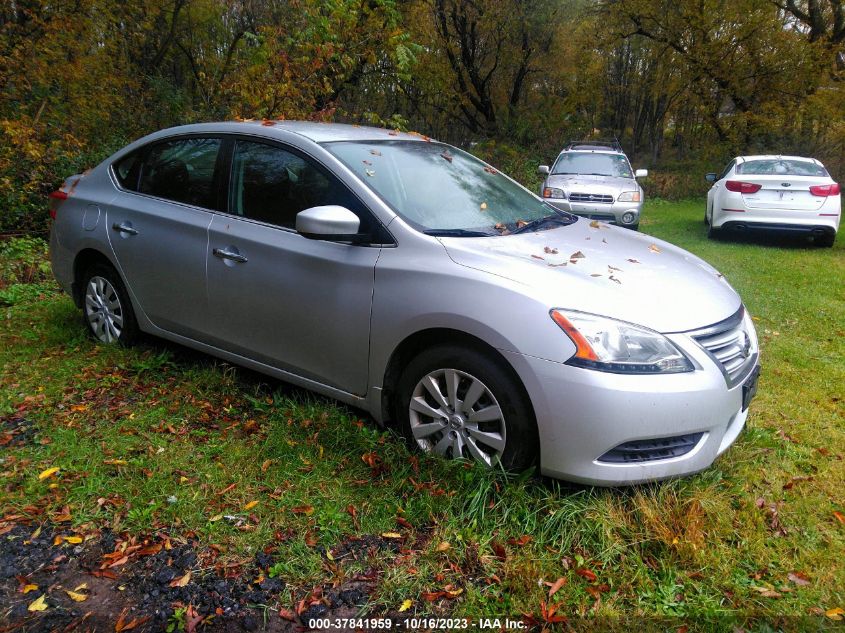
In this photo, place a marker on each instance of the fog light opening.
(629, 218)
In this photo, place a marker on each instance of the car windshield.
(439, 189)
(593, 163)
(780, 167)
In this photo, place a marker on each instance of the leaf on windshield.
(556, 265)
(370, 172)
(577, 255)
(490, 170)
(366, 162)
(394, 133)
(633, 261)
(538, 257)
(501, 228)
(445, 154)
(612, 268)
(653, 248)
(375, 152)
(595, 275)
(521, 223)
(594, 224)
(550, 251)
(612, 278)
(483, 206)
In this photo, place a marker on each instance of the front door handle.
(124, 227)
(223, 253)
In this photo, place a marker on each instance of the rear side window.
(780, 167)
(182, 170)
(272, 185)
(726, 170)
(127, 170)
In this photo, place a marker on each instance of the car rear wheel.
(461, 403)
(106, 307)
(826, 240)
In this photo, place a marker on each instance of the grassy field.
(160, 439)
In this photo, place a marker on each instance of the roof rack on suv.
(588, 145)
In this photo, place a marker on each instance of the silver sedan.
(406, 277)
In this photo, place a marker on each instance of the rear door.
(158, 229)
(298, 304)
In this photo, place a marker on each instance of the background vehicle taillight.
(742, 187)
(56, 199)
(825, 190)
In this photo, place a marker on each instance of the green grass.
(151, 438)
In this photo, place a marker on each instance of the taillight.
(742, 187)
(56, 199)
(825, 190)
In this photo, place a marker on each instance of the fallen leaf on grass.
(499, 550)
(587, 574)
(115, 462)
(28, 588)
(306, 510)
(250, 505)
(525, 539)
(835, 614)
(73, 539)
(181, 581)
(38, 605)
(405, 605)
(442, 547)
(799, 578)
(391, 535)
(287, 614)
(265, 465)
(839, 516)
(555, 587)
(48, 473)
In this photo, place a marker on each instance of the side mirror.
(543, 170)
(331, 222)
(711, 177)
(641, 173)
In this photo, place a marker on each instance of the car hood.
(607, 270)
(591, 184)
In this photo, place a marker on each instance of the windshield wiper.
(563, 220)
(457, 233)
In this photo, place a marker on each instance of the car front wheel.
(106, 307)
(462, 403)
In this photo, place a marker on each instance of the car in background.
(774, 193)
(408, 278)
(594, 179)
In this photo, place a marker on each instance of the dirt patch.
(162, 582)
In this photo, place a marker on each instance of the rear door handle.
(223, 253)
(124, 227)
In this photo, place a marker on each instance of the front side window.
(182, 170)
(435, 187)
(272, 185)
(594, 164)
(780, 167)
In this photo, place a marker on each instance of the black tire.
(713, 233)
(826, 241)
(121, 316)
(521, 444)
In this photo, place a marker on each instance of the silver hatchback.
(408, 278)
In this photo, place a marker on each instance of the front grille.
(729, 344)
(600, 198)
(640, 451)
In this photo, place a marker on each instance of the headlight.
(615, 346)
(629, 196)
(553, 192)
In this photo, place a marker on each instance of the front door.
(298, 304)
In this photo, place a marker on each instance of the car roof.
(316, 131)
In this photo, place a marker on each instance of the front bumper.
(582, 415)
(612, 213)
